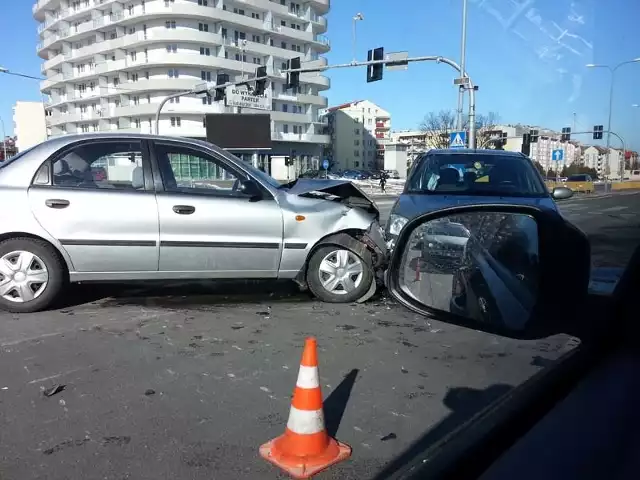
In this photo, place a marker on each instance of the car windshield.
(470, 174)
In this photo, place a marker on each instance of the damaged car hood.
(343, 189)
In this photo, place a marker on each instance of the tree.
(539, 167)
(438, 126)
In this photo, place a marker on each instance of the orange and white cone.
(305, 448)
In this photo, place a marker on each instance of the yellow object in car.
(483, 179)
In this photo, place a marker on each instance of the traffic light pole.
(432, 58)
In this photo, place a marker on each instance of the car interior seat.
(449, 177)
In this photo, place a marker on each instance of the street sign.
(462, 81)
(238, 96)
(557, 155)
(396, 60)
(457, 139)
(202, 89)
(325, 164)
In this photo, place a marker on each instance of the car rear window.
(471, 174)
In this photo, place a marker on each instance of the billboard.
(235, 131)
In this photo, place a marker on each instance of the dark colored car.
(448, 178)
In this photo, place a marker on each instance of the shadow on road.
(336, 403)
(184, 294)
(464, 403)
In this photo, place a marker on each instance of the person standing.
(383, 183)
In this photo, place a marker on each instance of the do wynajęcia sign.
(240, 97)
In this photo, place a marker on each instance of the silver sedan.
(103, 207)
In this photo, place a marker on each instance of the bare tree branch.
(438, 126)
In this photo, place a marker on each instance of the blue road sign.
(557, 155)
(457, 139)
(325, 164)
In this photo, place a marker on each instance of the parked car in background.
(392, 174)
(354, 175)
(174, 208)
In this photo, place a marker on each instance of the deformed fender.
(364, 243)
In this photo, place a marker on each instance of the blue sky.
(526, 56)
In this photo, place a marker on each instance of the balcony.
(382, 126)
(301, 137)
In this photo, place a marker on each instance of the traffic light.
(566, 134)
(597, 132)
(221, 79)
(261, 84)
(527, 138)
(534, 134)
(293, 78)
(374, 72)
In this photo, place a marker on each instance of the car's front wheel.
(336, 274)
(32, 275)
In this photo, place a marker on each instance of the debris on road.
(149, 391)
(50, 392)
(391, 436)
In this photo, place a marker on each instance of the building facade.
(108, 64)
(359, 131)
(29, 124)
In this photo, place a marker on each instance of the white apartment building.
(29, 125)
(109, 63)
(542, 152)
(359, 131)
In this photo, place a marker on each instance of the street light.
(613, 72)
(356, 18)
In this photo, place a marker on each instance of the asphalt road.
(187, 381)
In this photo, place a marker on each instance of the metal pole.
(4, 140)
(354, 37)
(463, 48)
(162, 104)
(613, 71)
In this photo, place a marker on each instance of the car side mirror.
(561, 193)
(250, 189)
(494, 268)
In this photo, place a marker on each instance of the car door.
(96, 198)
(208, 228)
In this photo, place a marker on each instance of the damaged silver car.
(102, 207)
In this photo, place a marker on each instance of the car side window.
(101, 165)
(186, 170)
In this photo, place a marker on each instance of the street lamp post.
(463, 49)
(613, 73)
(356, 18)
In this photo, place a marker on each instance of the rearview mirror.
(493, 268)
(561, 193)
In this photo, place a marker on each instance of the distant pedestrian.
(383, 183)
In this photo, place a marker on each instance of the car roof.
(473, 151)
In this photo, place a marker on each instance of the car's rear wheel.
(336, 274)
(32, 275)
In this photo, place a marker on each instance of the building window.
(257, 61)
(295, 129)
(136, 100)
(173, 48)
(174, 100)
(170, 24)
(255, 15)
(136, 123)
(203, 27)
(285, 128)
(205, 51)
(206, 76)
(203, 3)
(206, 100)
(173, 73)
(356, 142)
(356, 153)
(241, 58)
(285, 107)
(255, 38)
(175, 121)
(134, 77)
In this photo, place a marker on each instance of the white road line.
(614, 209)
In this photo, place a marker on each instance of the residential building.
(542, 152)
(595, 157)
(359, 131)
(29, 125)
(108, 65)
(417, 142)
(8, 147)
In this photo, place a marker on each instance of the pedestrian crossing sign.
(457, 139)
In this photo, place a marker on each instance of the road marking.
(613, 209)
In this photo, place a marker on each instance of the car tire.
(43, 257)
(334, 255)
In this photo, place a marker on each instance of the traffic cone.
(305, 448)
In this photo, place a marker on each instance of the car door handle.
(57, 203)
(184, 209)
